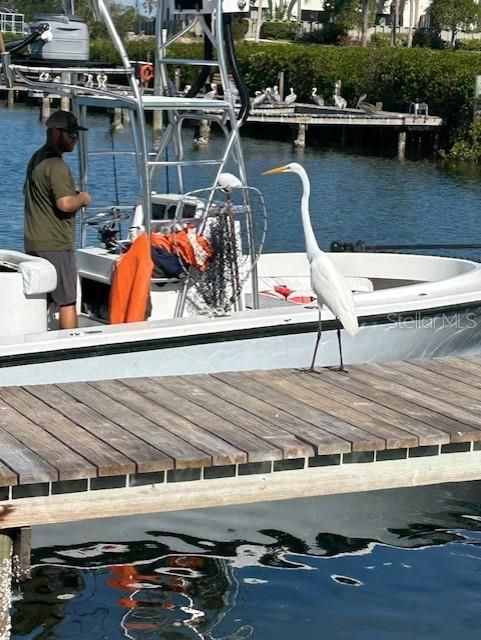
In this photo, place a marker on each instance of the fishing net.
(234, 224)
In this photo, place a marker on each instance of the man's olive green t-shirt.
(47, 228)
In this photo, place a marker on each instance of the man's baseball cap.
(64, 120)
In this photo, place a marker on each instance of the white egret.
(228, 181)
(329, 285)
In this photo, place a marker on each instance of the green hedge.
(469, 45)
(280, 30)
(394, 76)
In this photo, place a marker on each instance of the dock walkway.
(83, 450)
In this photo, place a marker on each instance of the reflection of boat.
(230, 315)
(223, 574)
(402, 517)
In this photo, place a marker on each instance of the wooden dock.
(84, 450)
(303, 116)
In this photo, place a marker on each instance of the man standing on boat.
(51, 202)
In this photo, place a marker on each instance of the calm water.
(396, 565)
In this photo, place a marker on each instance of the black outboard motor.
(16, 46)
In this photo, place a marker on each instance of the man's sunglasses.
(71, 134)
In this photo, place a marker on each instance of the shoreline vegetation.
(394, 77)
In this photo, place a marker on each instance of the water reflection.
(273, 570)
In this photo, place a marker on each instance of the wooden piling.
(401, 146)
(6, 547)
(117, 121)
(300, 141)
(46, 102)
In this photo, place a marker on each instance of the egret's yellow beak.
(270, 172)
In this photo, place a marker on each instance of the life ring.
(146, 72)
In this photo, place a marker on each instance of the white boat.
(248, 309)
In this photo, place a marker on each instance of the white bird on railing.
(187, 88)
(362, 98)
(228, 181)
(340, 102)
(258, 99)
(319, 100)
(210, 95)
(291, 98)
(329, 285)
(276, 96)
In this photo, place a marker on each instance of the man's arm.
(71, 204)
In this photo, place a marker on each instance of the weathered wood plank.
(70, 465)
(470, 407)
(28, 466)
(421, 421)
(393, 437)
(468, 364)
(107, 460)
(447, 367)
(294, 403)
(456, 422)
(263, 435)
(210, 436)
(318, 439)
(412, 431)
(438, 381)
(179, 446)
(208, 411)
(127, 419)
(138, 455)
(188, 454)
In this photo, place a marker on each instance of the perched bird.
(187, 88)
(340, 102)
(291, 98)
(329, 285)
(210, 95)
(362, 98)
(258, 99)
(319, 100)
(276, 96)
(269, 96)
(228, 181)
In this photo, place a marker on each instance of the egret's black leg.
(338, 330)
(318, 339)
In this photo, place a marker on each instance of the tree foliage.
(454, 15)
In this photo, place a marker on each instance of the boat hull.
(230, 344)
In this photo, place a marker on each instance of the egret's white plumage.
(329, 285)
(228, 181)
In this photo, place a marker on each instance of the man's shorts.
(65, 264)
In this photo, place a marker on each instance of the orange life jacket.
(130, 289)
(131, 283)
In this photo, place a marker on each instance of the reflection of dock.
(84, 450)
(303, 116)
